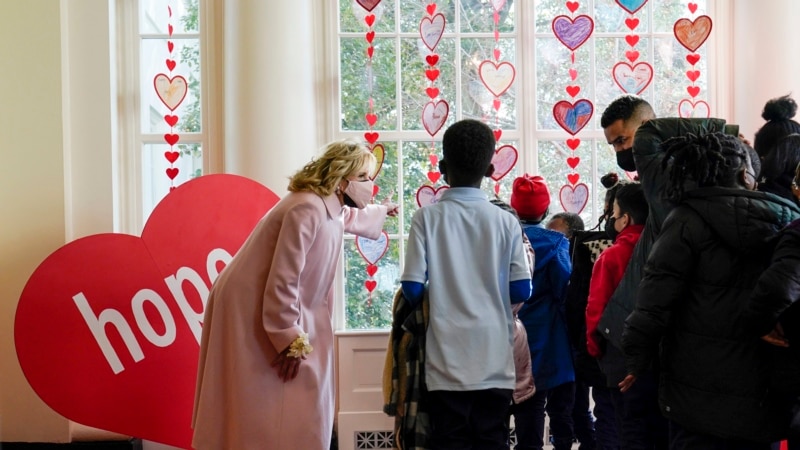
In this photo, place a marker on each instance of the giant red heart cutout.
(108, 326)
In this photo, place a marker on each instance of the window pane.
(414, 82)
(412, 13)
(365, 310)
(186, 55)
(671, 80)
(351, 17)
(361, 80)
(154, 16)
(552, 78)
(476, 98)
(609, 17)
(477, 17)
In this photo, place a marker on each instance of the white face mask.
(359, 192)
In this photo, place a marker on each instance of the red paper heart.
(170, 29)
(370, 285)
(693, 75)
(369, 19)
(573, 178)
(692, 34)
(632, 39)
(632, 79)
(498, 134)
(432, 92)
(370, 36)
(573, 90)
(504, 159)
(431, 8)
(632, 55)
(573, 161)
(632, 22)
(171, 139)
(369, 5)
(171, 120)
(692, 7)
(496, 104)
(172, 172)
(375, 190)
(693, 58)
(171, 156)
(372, 269)
(371, 118)
(572, 6)
(433, 159)
(371, 137)
(432, 59)
(573, 143)
(434, 176)
(170, 64)
(370, 51)
(432, 74)
(170, 46)
(693, 90)
(115, 275)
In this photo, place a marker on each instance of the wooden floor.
(133, 444)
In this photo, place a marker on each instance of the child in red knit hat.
(530, 197)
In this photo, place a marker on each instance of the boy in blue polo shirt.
(471, 256)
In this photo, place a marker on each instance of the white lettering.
(137, 304)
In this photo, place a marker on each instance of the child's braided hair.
(713, 159)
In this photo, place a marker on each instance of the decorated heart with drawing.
(573, 198)
(503, 161)
(428, 195)
(573, 32)
(632, 79)
(434, 115)
(372, 250)
(572, 117)
(692, 34)
(171, 91)
(497, 78)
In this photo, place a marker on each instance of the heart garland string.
(435, 112)
(692, 34)
(498, 77)
(371, 136)
(171, 90)
(573, 114)
(632, 77)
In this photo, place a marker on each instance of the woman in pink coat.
(266, 373)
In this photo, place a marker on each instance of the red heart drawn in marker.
(368, 5)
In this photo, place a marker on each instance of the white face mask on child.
(359, 192)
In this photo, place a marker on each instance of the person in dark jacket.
(774, 314)
(697, 280)
(777, 168)
(778, 113)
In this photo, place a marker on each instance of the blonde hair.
(339, 160)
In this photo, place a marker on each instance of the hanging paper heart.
(693, 58)
(432, 59)
(371, 119)
(170, 46)
(573, 198)
(369, 5)
(432, 74)
(428, 195)
(633, 79)
(432, 92)
(573, 117)
(434, 176)
(369, 19)
(498, 134)
(573, 161)
(693, 75)
(632, 55)
(689, 109)
(372, 269)
(372, 250)
(434, 115)
(170, 64)
(692, 34)
(497, 5)
(572, 6)
(171, 139)
(433, 159)
(171, 91)
(497, 78)
(693, 90)
(632, 22)
(171, 156)
(431, 8)
(573, 91)
(692, 7)
(573, 32)
(380, 155)
(171, 120)
(172, 172)
(573, 178)
(371, 137)
(573, 74)
(503, 160)
(632, 39)
(431, 30)
(631, 5)
(370, 285)
(573, 143)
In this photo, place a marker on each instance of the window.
(160, 78)
(390, 82)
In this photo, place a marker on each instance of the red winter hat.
(530, 197)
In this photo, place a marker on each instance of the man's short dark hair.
(624, 108)
(468, 147)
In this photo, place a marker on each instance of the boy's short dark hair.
(624, 108)
(468, 147)
(631, 201)
(573, 220)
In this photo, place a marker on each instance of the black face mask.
(625, 160)
(610, 230)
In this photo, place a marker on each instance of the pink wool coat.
(279, 284)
